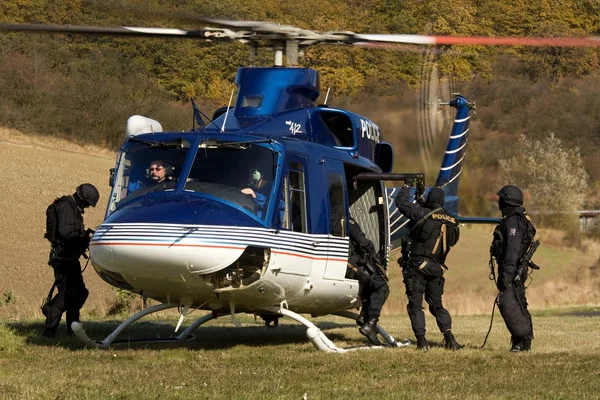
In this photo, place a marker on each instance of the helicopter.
(198, 240)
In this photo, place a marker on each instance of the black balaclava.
(435, 198)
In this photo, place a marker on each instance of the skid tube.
(323, 343)
(79, 328)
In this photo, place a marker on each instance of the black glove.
(409, 181)
(504, 282)
(420, 185)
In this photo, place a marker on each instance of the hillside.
(37, 170)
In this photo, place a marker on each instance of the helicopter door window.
(337, 204)
(297, 198)
(284, 214)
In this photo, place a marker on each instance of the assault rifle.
(373, 266)
(525, 261)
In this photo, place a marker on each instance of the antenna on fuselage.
(327, 95)
(227, 112)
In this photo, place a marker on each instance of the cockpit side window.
(294, 216)
(340, 126)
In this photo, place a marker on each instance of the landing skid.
(322, 342)
(79, 329)
(314, 334)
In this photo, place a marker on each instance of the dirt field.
(37, 170)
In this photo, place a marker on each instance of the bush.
(555, 177)
(594, 231)
(124, 302)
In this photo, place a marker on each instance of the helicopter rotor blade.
(246, 31)
(382, 40)
(207, 33)
(433, 117)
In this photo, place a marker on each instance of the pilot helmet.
(256, 176)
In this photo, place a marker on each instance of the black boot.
(450, 342)
(526, 344)
(49, 332)
(362, 317)
(369, 329)
(422, 343)
(516, 344)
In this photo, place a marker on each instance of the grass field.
(254, 362)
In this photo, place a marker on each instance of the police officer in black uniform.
(432, 232)
(70, 240)
(512, 238)
(364, 265)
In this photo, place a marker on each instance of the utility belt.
(419, 262)
(412, 260)
(58, 254)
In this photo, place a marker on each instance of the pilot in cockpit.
(158, 172)
(259, 190)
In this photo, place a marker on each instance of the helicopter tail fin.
(449, 174)
(452, 163)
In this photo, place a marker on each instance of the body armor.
(433, 236)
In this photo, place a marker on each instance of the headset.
(169, 169)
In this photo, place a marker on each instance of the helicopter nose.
(157, 249)
(171, 238)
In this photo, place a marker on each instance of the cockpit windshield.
(241, 173)
(146, 167)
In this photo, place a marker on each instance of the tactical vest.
(499, 241)
(433, 235)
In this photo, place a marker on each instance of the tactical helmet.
(88, 194)
(435, 197)
(511, 195)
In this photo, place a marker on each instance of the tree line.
(84, 88)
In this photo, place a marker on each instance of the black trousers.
(374, 290)
(71, 295)
(423, 277)
(373, 296)
(516, 315)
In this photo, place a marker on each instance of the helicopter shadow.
(161, 335)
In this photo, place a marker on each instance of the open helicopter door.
(337, 215)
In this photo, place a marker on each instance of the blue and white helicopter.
(199, 239)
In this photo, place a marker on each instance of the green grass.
(253, 362)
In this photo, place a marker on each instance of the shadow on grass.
(205, 337)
